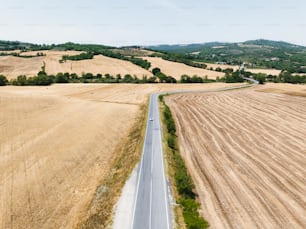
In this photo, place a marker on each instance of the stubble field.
(176, 70)
(246, 152)
(12, 66)
(58, 143)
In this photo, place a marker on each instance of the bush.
(191, 215)
(235, 77)
(141, 62)
(183, 181)
(62, 78)
(3, 80)
(193, 79)
(261, 78)
(171, 141)
(82, 56)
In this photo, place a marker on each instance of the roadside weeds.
(128, 153)
(182, 187)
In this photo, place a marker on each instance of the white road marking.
(140, 170)
(164, 177)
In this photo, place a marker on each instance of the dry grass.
(246, 153)
(12, 67)
(222, 66)
(177, 69)
(288, 89)
(127, 155)
(264, 71)
(236, 67)
(59, 143)
(55, 150)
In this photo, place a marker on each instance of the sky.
(151, 22)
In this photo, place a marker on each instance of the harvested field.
(12, 67)
(54, 152)
(274, 72)
(222, 66)
(246, 152)
(289, 89)
(177, 69)
(236, 67)
(10, 51)
(57, 145)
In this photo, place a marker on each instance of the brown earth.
(12, 67)
(274, 72)
(289, 89)
(236, 67)
(222, 66)
(176, 70)
(246, 152)
(57, 144)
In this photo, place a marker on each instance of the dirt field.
(177, 69)
(236, 67)
(264, 71)
(12, 67)
(289, 89)
(222, 66)
(57, 144)
(246, 153)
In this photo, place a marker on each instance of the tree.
(260, 77)
(185, 79)
(74, 76)
(155, 71)
(3, 80)
(61, 78)
(21, 80)
(88, 76)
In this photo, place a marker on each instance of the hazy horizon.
(149, 22)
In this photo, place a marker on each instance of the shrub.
(3, 80)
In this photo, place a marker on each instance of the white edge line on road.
(162, 159)
(141, 164)
(150, 214)
(151, 182)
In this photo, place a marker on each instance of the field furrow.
(246, 151)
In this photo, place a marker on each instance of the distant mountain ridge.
(181, 48)
(259, 53)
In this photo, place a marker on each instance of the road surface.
(151, 210)
(152, 199)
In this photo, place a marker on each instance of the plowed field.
(246, 151)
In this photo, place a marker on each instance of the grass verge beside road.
(187, 211)
(107, 194)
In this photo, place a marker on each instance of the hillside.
(176, 70)
(256, 53)
(12, 66)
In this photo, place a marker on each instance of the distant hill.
(183, 48)
(256, 53)
(13, 45)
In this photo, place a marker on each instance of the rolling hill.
(256, 53)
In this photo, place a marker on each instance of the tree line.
(42, 78)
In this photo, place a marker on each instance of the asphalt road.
(151, 208)
(152, 201)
